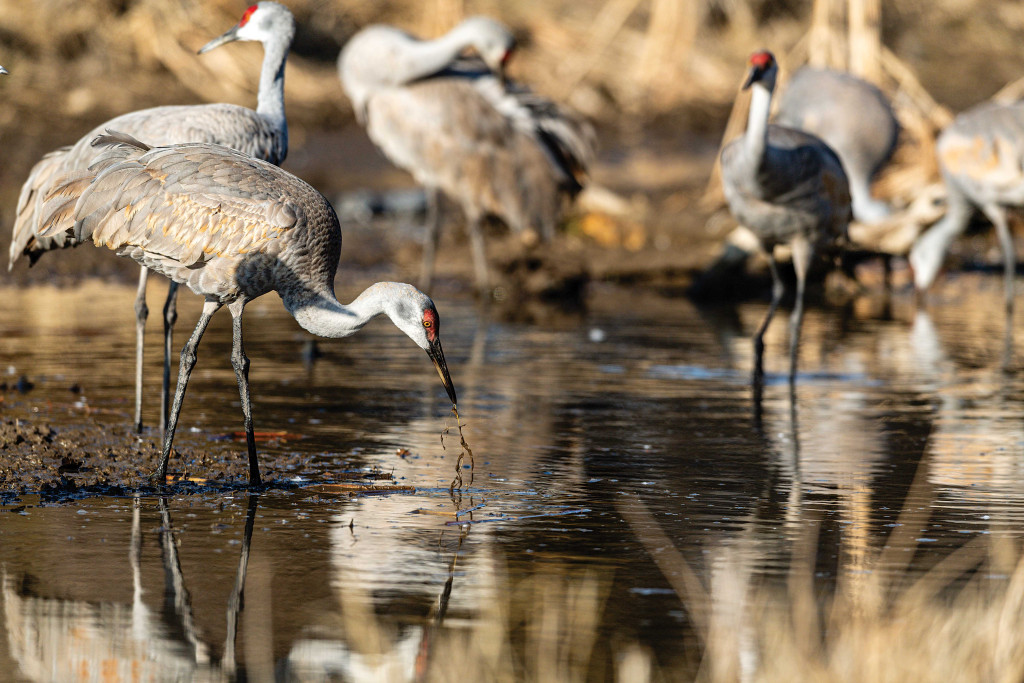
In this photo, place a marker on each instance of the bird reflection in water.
(55, 639)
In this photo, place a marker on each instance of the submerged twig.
(457, 482)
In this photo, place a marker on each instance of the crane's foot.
(158, 479)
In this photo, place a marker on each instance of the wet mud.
(42, 455)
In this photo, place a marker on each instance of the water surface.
(616, 449)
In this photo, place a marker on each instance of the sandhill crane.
(980, 156)
(460, 128)
(263, 133)
(231, 228)
(788, 187)
(854, 118)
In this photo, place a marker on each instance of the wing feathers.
(186, 203)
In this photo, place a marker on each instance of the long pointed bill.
(755, 73)
(437, 355)
(229, 36)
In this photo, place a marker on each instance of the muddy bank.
(41, 455)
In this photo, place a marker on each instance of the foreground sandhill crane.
(788, 187)
(262, 133)
(231, 228)
(981, 155)
(461, 129)
(851, 116)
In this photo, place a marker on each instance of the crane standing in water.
(262, 133)
(788, 187)
(231, 228)
(461, 129)
(852, 117)
(980, 156)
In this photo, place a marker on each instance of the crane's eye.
(427, 323)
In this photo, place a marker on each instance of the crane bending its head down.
(231, 228)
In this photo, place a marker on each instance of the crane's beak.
(229, 36)
(437, 355)
(755, 75)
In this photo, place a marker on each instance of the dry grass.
(962, 620)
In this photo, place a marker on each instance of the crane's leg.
(185, 365)
(431, 238)
(476, 242)
(777, 290)
(997, 215)
(141, 313)
(802, 252)
(240, 363)
(170, 317)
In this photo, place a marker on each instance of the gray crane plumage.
(262, 133)
(788, 187)
(981, 157)
(231, 228)
(851, 116)
(462, 129)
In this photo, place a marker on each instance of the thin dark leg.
(170, 317)
(185, 365)
(141, 313)
(1009, 258)
(431, 238)
(476, 242)
(998, 217)
(241, 364)
(777, 290)
(801, 264)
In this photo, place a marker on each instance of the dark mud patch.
(60, 461)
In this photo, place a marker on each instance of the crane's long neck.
(322, 314)
(271, 95)
(756, 137)
(425, 57)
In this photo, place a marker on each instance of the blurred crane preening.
(262, 133)
(462, 129)
(231, 228)
(789, 188)
(981, 156)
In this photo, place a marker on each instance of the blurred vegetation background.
(652, 74)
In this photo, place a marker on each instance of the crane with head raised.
(980, 155)
(262, 132)
(789, 188)
(462, 129)
(231, 228)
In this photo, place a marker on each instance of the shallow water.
(617, 448)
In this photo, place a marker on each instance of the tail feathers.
(26, 222)
(58, 210)
(46, 206)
